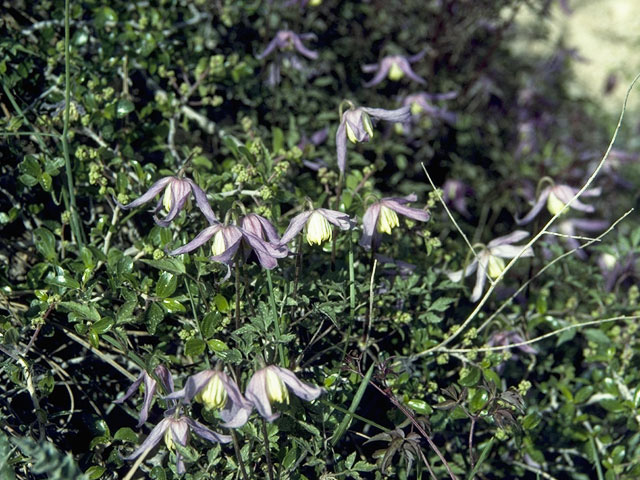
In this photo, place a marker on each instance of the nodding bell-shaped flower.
(272, 384)
(318, 225)
(556, 197)
(394, 67)
(261, 228)
(216, 391)
(490, 260)
(176, 193)
(356, 125)
(421, 103)
(288, 40)
(150, 387)
(176, 430)
(382, 217)
(455, 193)
(226, 241)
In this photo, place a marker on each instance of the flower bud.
(387, 220)
(168, 440)
(318, 229)
(276, 389)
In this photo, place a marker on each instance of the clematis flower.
(272, 384)
(288, 40)
(216, 391)
(395, 67)
(226, 241)
(455, 193)
(421, 103)
(318, 225)
(382, 217)
(357, 126)
(616, 268)
(150, 387)
(490, 260)
(569, 228)
(260, 227)
(176, 430)
(174, 199)
(556, 197)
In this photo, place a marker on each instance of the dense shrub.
(245, 108)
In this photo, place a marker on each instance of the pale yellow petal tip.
(318, 229)
(554, 204)
(213, 395)
(395, 72)
(495, 267)
(167, 200)
(219, 245)
(276, 389)
(387, 220)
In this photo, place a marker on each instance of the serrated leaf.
(441, 304)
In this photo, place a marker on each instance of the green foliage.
(90, 295)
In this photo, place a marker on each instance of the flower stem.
(352, 282)
(236, 447)
(276, 320)
(267, 448)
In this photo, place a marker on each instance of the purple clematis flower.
(616, 268)
(287, 40)
(226, 241)
(490, 260)
(261, 228)
(318, 225)
(150, 387)
(215, 390)
(176, 430)
(395, 67)
(455, 193)
(556, 197)
(421, 103)
(270, 385)
(569, 229)
(382, 217)
(356, 125)
(176, 194)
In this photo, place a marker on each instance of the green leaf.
(483, 456)
(126, 434)
(45, 243)
(420, 406)
(217, 345)
(479, 400)
(209, 324)
(221, 303)
(124, 108)
(471, 378)
(154, 315)
(278, 139)
(441, 304)
(103, 325)
(173, 306)
(174, 265)
(166, 285)
(194, 347)
(95, 472)
(85, 311)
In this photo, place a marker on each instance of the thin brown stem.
(236, 447)
(267, 449)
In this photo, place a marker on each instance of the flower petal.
(301, 389)
(150, 387)
(297, 43)
(152, 440)
(399, 115)
(341, 146)
(536, 208)
(481, 276)
(202, 202)
(154, 190)
(566, 193)
(381, 74)
(206, 433)
(369, 222)
(256, 394)
(132, 388)
(203, 237)
(270, 48)
(511, 251)
(237, 410)
(513, 237)
(295, 226)
(457, 275)
(414, 213)
(339, 219)
(266, 253)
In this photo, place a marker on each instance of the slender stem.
(75, 221)
(28, 376)
(236, 447)
(237, 313)
(276, 320)
(352, 282)
(137, 464)
(267, 448)
(471, 455)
